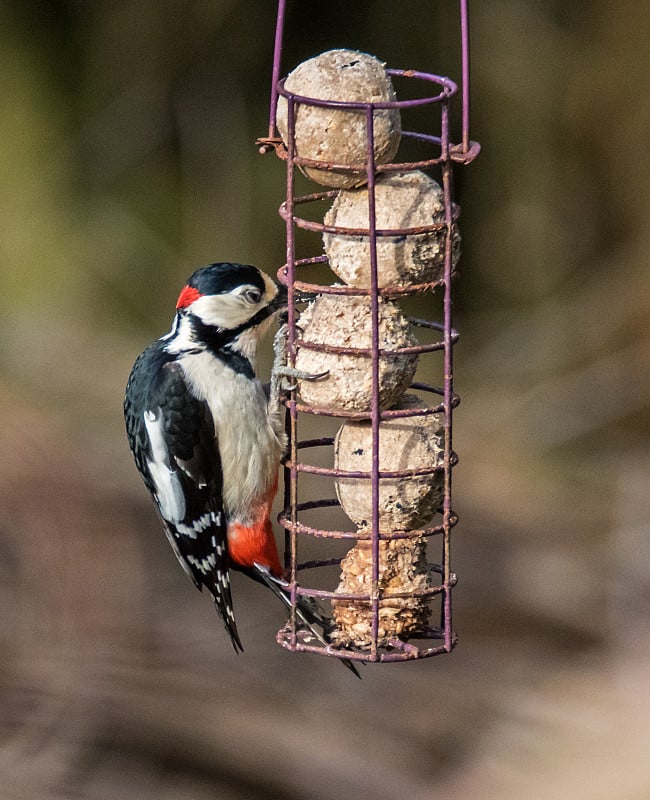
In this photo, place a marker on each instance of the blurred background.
(127, 161)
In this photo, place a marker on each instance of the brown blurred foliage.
(127, 160)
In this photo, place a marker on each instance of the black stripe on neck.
(219, 342)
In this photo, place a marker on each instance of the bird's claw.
(281, 375)
(281, 371)
(290, 372)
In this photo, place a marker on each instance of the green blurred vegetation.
(128, 160)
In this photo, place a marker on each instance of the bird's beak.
(303, 297)
(281, 301)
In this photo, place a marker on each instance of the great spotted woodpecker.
(208, 442)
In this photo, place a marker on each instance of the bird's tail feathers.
(307, 610)
(230, 625)
(223, 604)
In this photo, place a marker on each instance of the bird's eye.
(253, 295)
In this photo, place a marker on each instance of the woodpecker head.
(228, 306)
(228, 296)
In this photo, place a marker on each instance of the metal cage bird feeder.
(440, 154)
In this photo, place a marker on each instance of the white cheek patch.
(224, 311)
(169, 491)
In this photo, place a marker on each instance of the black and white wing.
(171, 434)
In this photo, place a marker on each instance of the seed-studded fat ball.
(402, 200)
(405, 443)
(402, 568)
(346, 321)
(339, 135)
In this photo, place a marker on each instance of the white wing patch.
(169, 491)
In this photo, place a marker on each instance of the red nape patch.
(187, 297)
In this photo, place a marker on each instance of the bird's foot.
(283, 377)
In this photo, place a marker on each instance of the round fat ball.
(346, 321)
(405, 443)
(339, 135)
(402, 200)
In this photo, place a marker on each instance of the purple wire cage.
(440, 154)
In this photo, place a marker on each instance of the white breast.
(250, 442)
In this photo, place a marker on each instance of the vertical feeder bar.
(464, 39)
(291, 347)
(448, 380)
(277, 61)
(374, 343)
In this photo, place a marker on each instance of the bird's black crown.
(224, 276)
